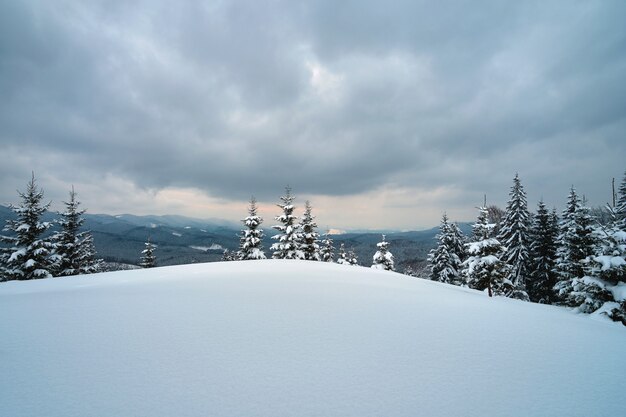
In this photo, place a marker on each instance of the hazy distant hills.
(182, 240)
(121, 238)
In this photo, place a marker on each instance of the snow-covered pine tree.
(148, 259)
(287, 245)
(228, 256)
(342, 256)
(409, 271)
(575, 241)
(250, 242)
(383, 259)
(514, 236)
(457, 245)
(27, 255)
(444, 263)
(609, 263)
(482, 229)
(309, 237)
(74, 251)
(577, 246)
(458, 241)
(438, 256)
(327, 251)
(90, 253)
(484, 268)
(352, 257)
(620, 207)
(543, 235)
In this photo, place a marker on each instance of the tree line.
(298, 238)
(575, 260)
(29, 253)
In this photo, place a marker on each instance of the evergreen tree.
(27, 255)
(342, 256)
(483, 228)
(457, 246)
(309, 238)
(352, 258)
(543, 234)
(577, 244)
(383, 259)
(74, 251)
(327, 251)
(586, 294)
(458, 241)
(228, 256)
(148, 259)
(514, 236)
(609, 263)
(576, 240)
(444, 263)
(484, 268)
(619, 313)
(409, 271)
(250, 246)
(287, 245)
(620, 208)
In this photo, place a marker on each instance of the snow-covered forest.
(574, 260)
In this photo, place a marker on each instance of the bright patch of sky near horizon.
(384, 116)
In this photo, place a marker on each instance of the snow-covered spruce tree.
(327, 250)
(444, 263)
(542, 275)
(148, 259)
(409, 271)
(342, 256)
(514, 235)
(620, 207)
(383, 259)
(250, 242)
(352, 257)
(288, 240)
(458, 247)
(74, 251)
(228, 256)
(309, 237)
(27, 255)
(484, 268)
(482, 229)
(576, 287)
(458, 241)
(609, 264)
(438, 256)
(610, 258)
(576, 241)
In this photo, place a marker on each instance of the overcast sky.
(384, 115)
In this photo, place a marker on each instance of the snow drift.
(296, 338)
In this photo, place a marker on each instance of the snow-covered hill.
(296, 338)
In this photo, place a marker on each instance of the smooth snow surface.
(296, 338)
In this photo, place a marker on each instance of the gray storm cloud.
(335, 98)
